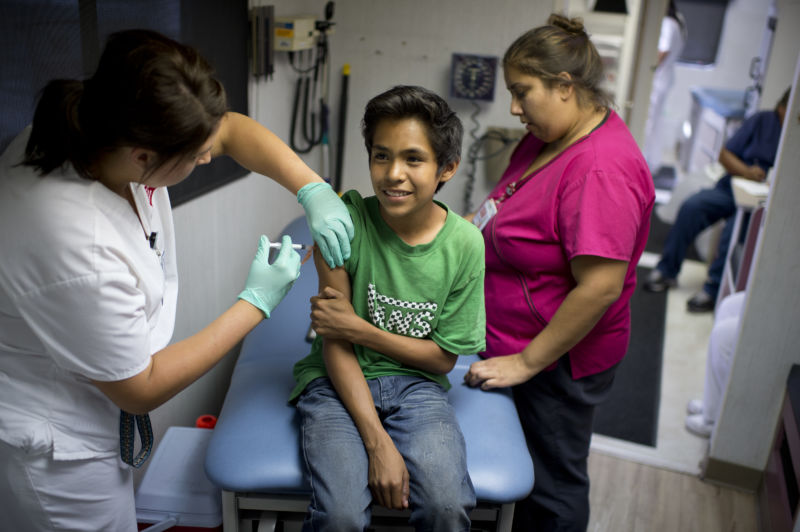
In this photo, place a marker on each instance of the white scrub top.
(83, 295)
(670, 40)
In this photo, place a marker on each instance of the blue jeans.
(421, 422)
(697, 213)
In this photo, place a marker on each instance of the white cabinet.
(714, 117)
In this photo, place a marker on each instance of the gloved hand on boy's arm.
(328, 220)
(267, 284)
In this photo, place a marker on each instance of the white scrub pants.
(721, 346)
(38, 493)
(654, 127)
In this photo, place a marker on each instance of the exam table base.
(241, 510)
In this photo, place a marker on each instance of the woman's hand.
(329, 221)
(499, 372)
(267, 284)
(333, 316)
(599, 283)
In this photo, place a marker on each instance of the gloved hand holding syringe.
(297, 247)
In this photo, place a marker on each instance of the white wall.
(784, 52)
(769, 341)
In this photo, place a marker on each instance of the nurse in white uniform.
(88, 277)
(670, 45)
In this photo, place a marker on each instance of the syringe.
(298, 247)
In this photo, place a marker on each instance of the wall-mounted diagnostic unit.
(295, 33)
(473, 77)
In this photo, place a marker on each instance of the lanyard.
(512, 187)
(489, 207)
(128, 426)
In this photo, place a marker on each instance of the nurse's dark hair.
(562, 45)
(148, 91)
(442, 125)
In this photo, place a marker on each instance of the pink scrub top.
(595, 198)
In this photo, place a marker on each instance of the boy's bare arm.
(333, 317)
(388, 476)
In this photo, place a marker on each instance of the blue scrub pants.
(422, 424)
(697, 213)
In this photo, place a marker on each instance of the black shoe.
(700, 302)
(658, 282)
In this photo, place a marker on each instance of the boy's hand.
(388, 476)
(332, 315)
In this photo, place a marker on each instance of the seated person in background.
(376, 422)
(749, 153)
(702, 414)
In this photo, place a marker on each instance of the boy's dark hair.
(444, 128)
(148, 91)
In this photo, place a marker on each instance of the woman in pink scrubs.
(564, 229)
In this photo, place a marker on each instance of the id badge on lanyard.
(485, 213)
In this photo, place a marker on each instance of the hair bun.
(570, 25)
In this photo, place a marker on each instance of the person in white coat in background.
(670, 45)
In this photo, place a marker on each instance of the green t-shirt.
(432, 291)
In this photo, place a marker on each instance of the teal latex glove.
(267, 284)
(328, 220)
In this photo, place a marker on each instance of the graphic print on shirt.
(409, 318)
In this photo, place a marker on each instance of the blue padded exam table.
(254, 452)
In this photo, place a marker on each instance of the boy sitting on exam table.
(376, 423)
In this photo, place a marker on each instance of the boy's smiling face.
(404, 171)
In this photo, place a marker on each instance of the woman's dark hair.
(672, 12)
(444, 128)
(148, 91)
(561, 46)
